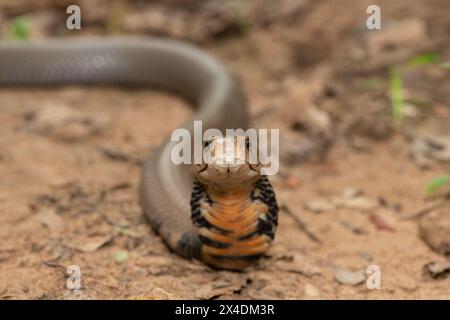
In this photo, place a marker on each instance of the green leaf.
(436, 184)
(370, 83)
(418, 103)
(114, 21)
(396, 87)
(244, 26)
(446, 65)
(423, 59)
(241, 20)
(19, 29)
(120, 256)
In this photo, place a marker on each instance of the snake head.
(228, 161)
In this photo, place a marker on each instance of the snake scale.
(223, 215)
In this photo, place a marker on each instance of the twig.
(421, 211)
(53, 264)
(300, 223)
(352, 228)
(118, 155)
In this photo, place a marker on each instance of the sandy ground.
(70, 160)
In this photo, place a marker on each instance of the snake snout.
(229, 168)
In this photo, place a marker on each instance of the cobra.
(222, 213)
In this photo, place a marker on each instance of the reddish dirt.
(70, 157)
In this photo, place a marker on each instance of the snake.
(221, 213)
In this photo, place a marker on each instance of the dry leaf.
(437, 269)
(89, 244)
(348, 277)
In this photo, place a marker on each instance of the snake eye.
(206, 143)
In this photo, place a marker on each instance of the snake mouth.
(228, 175)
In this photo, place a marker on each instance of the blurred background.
(365, 152)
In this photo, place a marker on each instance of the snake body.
(226, 229)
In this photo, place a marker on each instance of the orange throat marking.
(234, 241)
